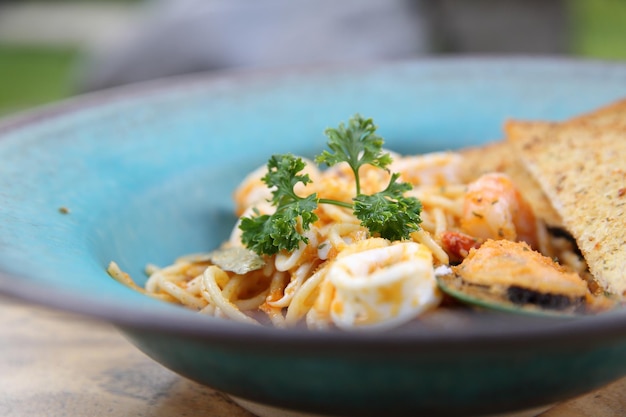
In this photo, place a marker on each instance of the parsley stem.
(335, 202)
(357, 180)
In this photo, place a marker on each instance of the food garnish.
(388, 213)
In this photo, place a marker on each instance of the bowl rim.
(608, 327)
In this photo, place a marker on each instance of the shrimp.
(493, 208)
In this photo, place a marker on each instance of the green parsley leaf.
(269, 234)
(389, 213)
(283, 173)
(357, 144)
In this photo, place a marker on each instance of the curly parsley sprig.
(357, 144)
(388, 213)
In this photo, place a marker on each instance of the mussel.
(509, 276)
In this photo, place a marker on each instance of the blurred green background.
(35, 70)
(34, 73)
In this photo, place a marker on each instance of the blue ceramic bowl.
(147, 172)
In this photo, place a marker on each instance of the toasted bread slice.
(581, 166)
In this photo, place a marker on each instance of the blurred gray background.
(196, 35)
(57, 48)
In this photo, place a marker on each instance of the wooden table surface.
(58, 364)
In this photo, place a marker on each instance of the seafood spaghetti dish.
(361, 238)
